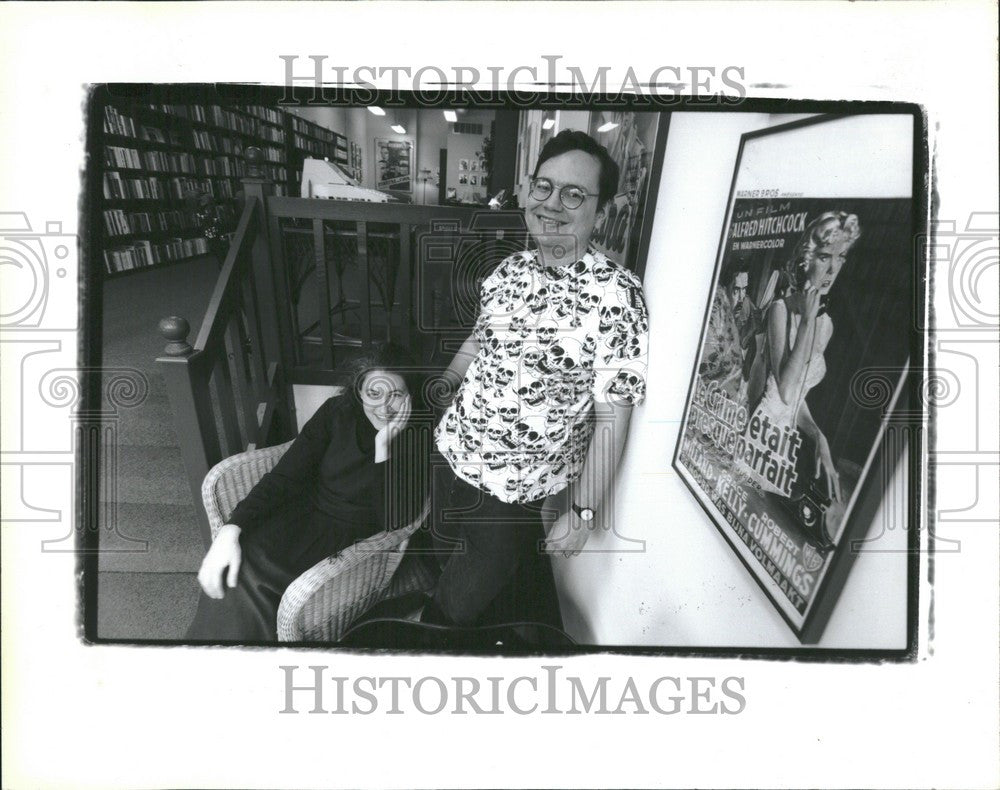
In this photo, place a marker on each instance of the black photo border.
(87, 499)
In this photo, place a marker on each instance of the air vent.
(467, 128)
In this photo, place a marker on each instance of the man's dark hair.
(571, 140)
(728, 277)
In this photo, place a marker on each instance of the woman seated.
(346, 477)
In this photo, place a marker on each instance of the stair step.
(153, 538)
(149, 423)
(151, 475)
(145, 605)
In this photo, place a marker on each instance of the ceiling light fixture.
(376, 110)
(548, 123)
(398, 128)
(450, 116)
(607, 127)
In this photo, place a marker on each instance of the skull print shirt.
(551, 342)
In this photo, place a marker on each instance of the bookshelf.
(307, 139)
(153, 154)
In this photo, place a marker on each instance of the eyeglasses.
(570, 196)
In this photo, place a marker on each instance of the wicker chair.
(321, 603)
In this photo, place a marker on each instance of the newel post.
(186, 375)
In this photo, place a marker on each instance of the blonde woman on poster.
(792, 360)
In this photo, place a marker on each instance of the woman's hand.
(224, 553)
(383, 439)
(810, 303)
(825, 465)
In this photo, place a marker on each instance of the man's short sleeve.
(622, 341)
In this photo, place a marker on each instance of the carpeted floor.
(147, 587)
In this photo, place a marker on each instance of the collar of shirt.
(588, 257)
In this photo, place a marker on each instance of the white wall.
(571, 119)
(432, 137)
(687, 586)
(465, 146)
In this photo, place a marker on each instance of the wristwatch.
(585, 513)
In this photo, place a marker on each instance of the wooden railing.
(352, 273)
(228, 390)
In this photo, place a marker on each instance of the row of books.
(307, 127)
(118, 156)
(217, 143)
(265, 113)
(272, 134)
(220, 144)
(116, 122)
(314, 147)
(123, 126)
(141, 254)
(227, 119)
(216, 187)
(182, 164)
(275, 173)
(154, 135)
(118, 222)
(118, 187)
(193, 112)
(276, 155)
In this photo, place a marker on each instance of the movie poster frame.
(905, 408)
(382, 183)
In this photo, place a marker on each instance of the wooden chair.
(322, 603)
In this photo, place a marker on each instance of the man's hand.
(568, 535)
(224, 556)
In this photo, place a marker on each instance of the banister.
(209, 336)
(187, 368)
(388, 213)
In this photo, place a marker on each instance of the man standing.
(559, 348)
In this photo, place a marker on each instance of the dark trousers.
(286, 545)
(492, 567)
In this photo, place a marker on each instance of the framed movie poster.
(634, 140)
(812, 304)
(394, 165)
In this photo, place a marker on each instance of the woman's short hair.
(827, 228)
(390, 357)
(572, 140)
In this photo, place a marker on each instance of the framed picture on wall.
(795, 417)
(393, 165)
(636, 142)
